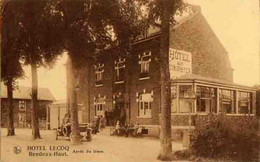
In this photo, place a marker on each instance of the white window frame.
(143, 100)
(145, 64)
(184, 98)
(99, 105)
(232, 100)
(22, 103)
(120, 64)
(99, 71)
(21, 118)
(207, 99)
(248, 101)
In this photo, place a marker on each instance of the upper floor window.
(22, 105)
(145, 105)
(120, 70)
(227, 101)
(144, 62)
(244, 103)
(99, 70)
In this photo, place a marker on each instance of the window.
(99, 104)
(22, 118)
(206, 99)
(99, 74)
(174, 99)
(227, 101)
(144, 62)
(245, 103)
(184, 105)
(120, 70)
(22, 105)
(145, 105)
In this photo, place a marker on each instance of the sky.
(236, 24)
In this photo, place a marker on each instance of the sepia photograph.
(130, 80)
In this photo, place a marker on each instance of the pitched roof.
(25, 93)
(155, 30)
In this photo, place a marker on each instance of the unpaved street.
(103, 148)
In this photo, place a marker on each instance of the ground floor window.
(99, 110)
(22, 118)
(99, 105)
(245, 103)
(227, 101)
(206, 99)
(174, 100)
(145, 105)
(185, 104)
(210, 99)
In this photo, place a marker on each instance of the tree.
(11, 68)
(164, 11)
(89, 28)
(38, 42)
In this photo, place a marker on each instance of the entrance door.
(120, 113)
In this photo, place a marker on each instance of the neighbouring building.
(58, 110)
(201, 73)
(258, 101)
(22, 106)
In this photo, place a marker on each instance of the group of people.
(115, 115)
(126, 129)
(98, 124)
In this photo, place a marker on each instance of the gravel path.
(102, 148)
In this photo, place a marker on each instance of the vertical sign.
(180, 63)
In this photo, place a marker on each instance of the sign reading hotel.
(180, 63)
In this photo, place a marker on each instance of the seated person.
(137, 129)
(117, 129)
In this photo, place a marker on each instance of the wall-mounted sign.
(180, 63)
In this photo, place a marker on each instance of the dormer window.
(120, 70)
(99, 70)
(144, 61)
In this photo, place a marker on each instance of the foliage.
(155, 9)
(91, 28)
(39, 34)
(229, 138)
(11, 67)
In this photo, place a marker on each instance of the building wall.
(16, 111)
(258, 103)
(209, 57)
(151, 84)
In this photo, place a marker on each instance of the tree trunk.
(68, 73)
(75, 136)
(89, 77)
(165, 135)
(11, 131)
(34, 116)
(127, 89)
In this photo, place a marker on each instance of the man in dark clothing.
(97, 124)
